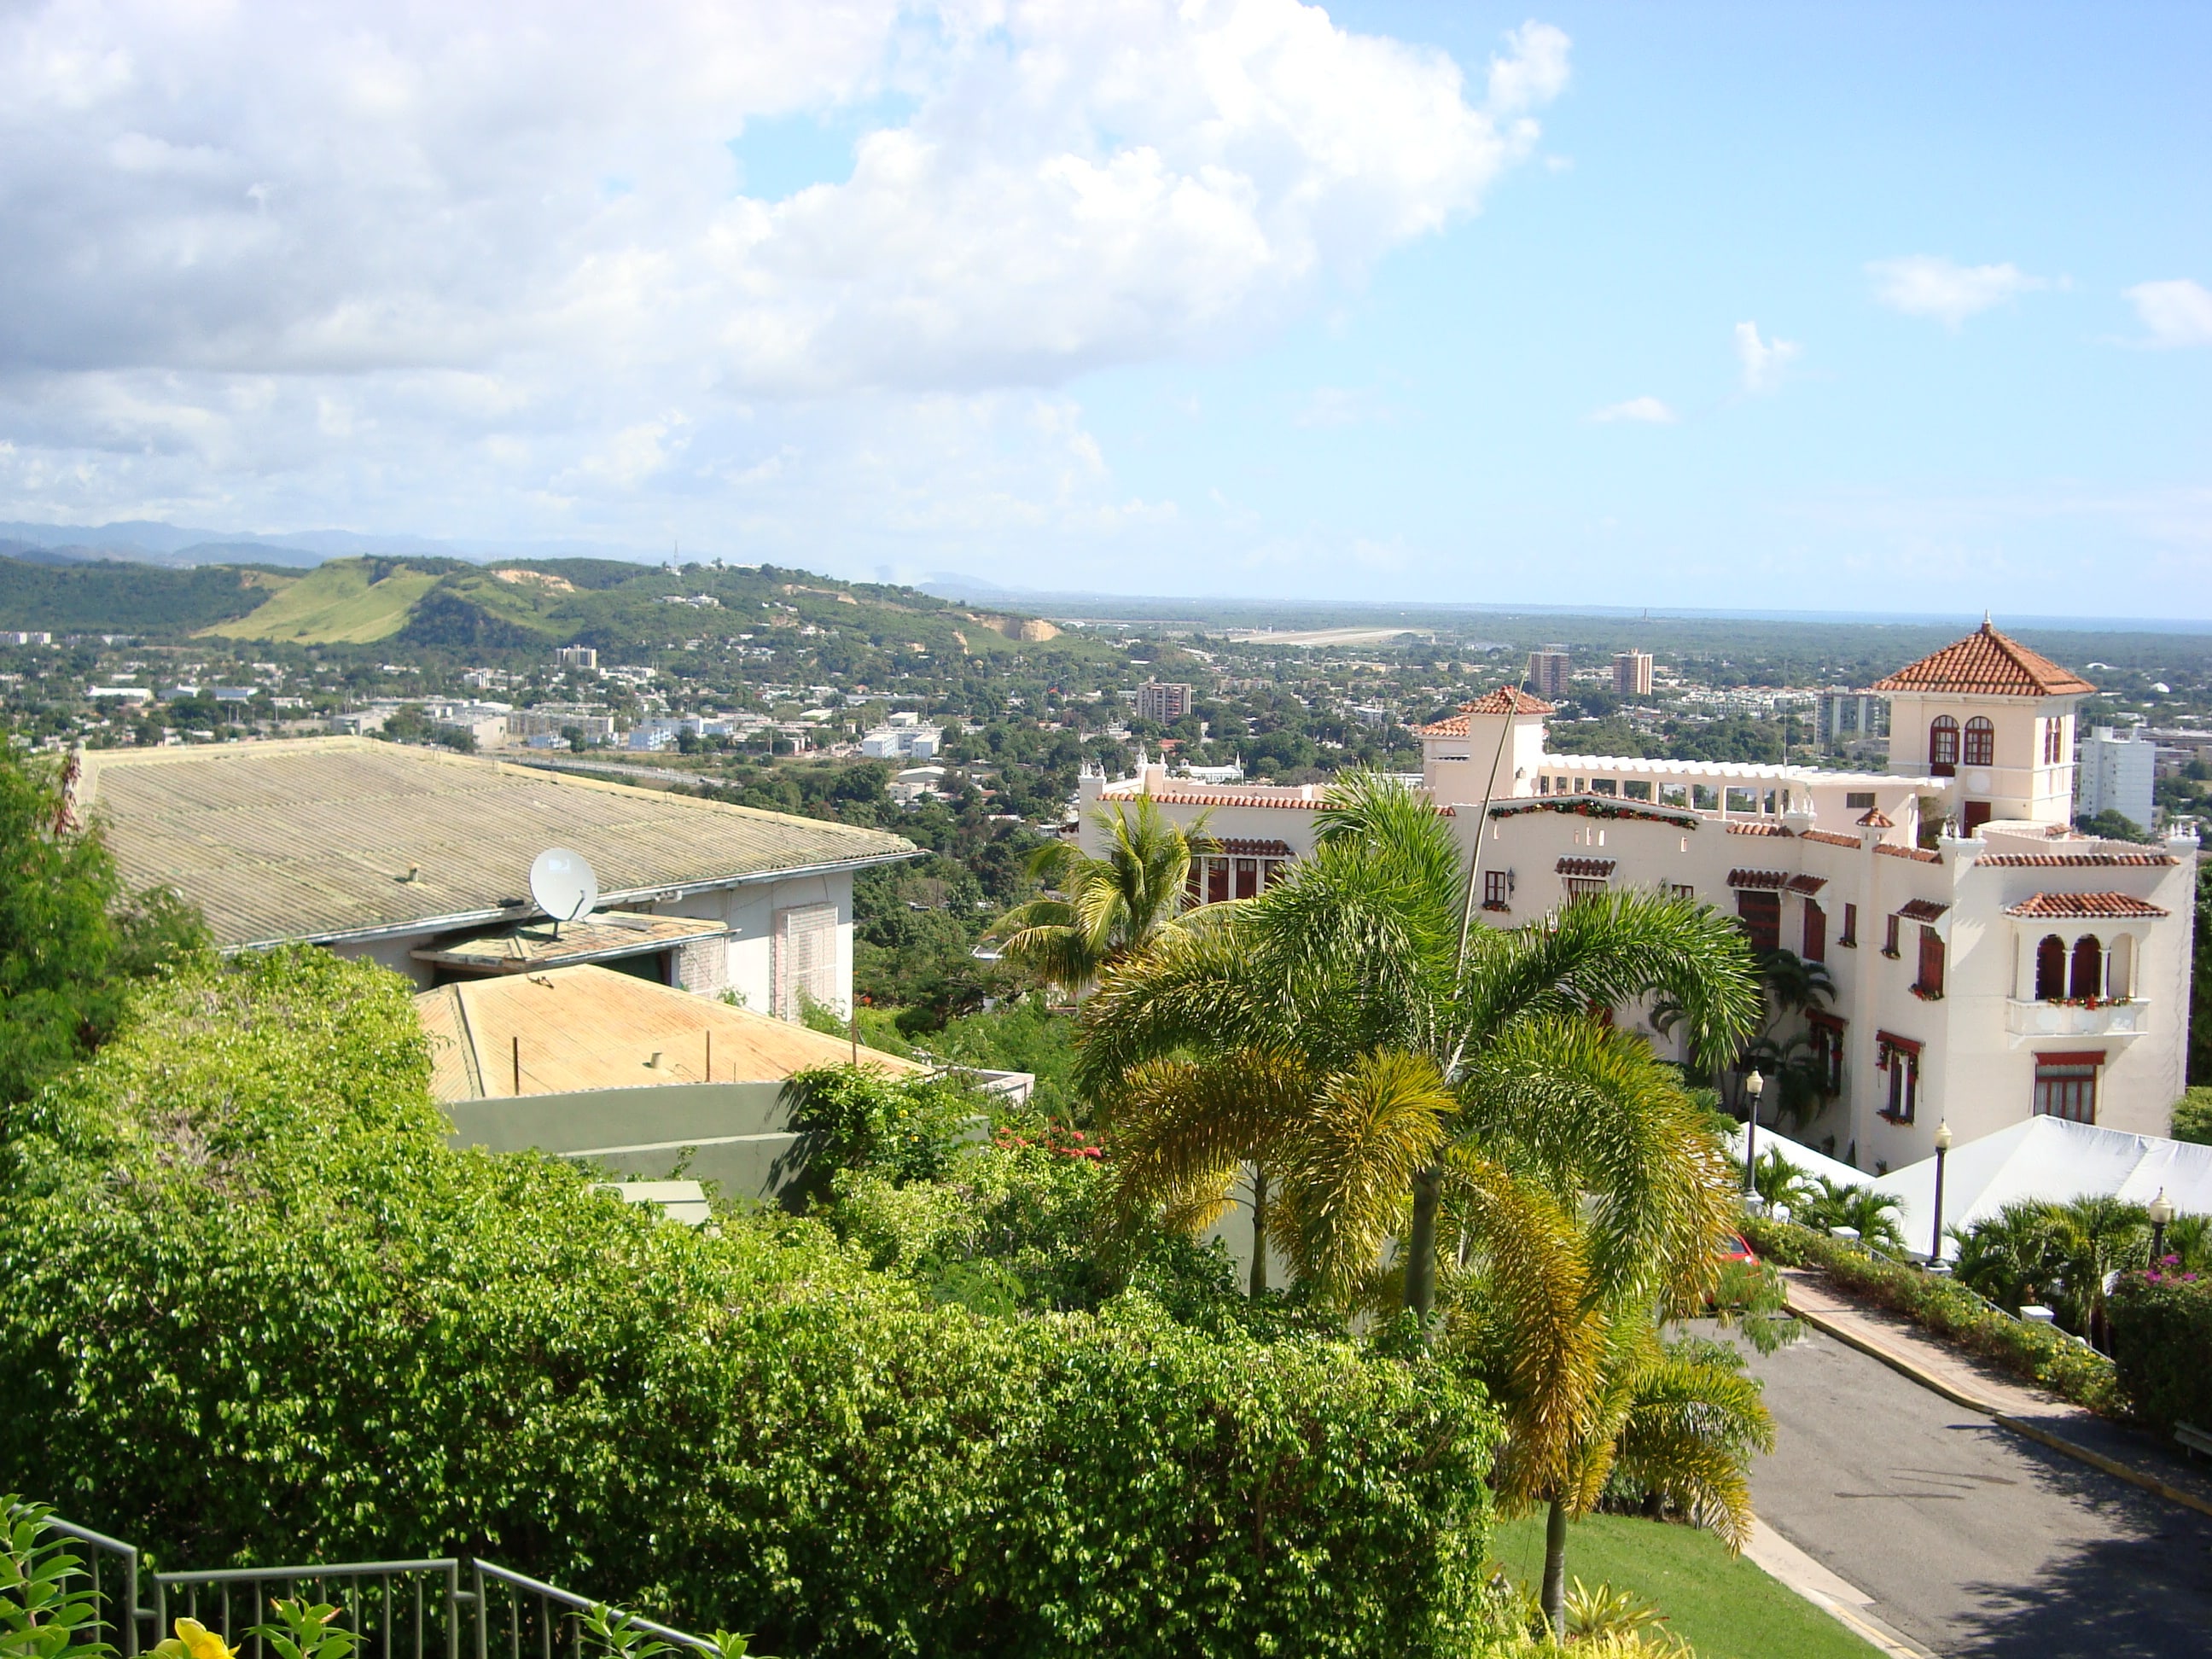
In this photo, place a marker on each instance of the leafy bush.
(2161, 1336)
(259, 1311)
(856, 1117)
(2036, 1352)
(2192, 1116)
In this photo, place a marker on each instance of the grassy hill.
(340, 602)
(129, 598)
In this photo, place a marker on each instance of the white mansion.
(2010, 967)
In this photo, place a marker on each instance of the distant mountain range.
(178, 547)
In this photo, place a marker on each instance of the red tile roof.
(1244, 847)
(1776, 880)
(1584, 866)
(1922, 855)
(1987, 664)
(1828, 838)
(1874, 818)
(1921, 909)
(2076, 861)
(2085, 906)
(1736, 829)
(1506, 699)
(1807, 885)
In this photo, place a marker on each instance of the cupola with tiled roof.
(1987, 664)
(1506, 699)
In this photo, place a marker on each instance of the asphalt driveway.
(1972, 1539)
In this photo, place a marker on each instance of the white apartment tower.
(2118, 769)
(1989, 961)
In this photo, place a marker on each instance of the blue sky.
(1855, 306)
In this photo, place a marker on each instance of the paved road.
(1972, 1539)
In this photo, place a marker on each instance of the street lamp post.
(2161, 1212)
(1753, 1086)
(1942, 1149)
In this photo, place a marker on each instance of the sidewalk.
(1967, 1381)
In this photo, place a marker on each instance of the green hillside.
(341, 602)
(131, 598)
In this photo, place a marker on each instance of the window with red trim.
(1930, 981)
(1942, 746)
(1816, 932)
(1981, 745)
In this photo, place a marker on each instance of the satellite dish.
(563, 884)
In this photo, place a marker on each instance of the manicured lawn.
(1725, 1607)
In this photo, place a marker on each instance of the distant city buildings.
(2115, 773)
(1841, 717)
(577, 656)
(1631, 673)
(1163, 700)
(899, 741)
(1548, 672)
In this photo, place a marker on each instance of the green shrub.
(2192, 1116)
(256, 1310)
(856, 1117)
(2161, 1341)
(2035, 1352)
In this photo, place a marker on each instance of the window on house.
(1980, 748)
(1582, 887)
(1760, 914)
(1942, 746)
(2066, 1086)
(1901, 1061)
(804, 968)
(1889, 939)
(1816, 933)
(2050, 969)
(1273, 871)
(1193, 883)
(1493, 890)
(1682, 890)
(1825, 1034)
(2054, 743)
(1247, 879)
(2088, 979)
(1636, 789)
(1604, 787)
(1217, 881)
(1858, 800)
(1930, 979)
(1544, 784)
(1850, 935)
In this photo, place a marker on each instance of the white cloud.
(2177, 312)
(1763, 361)
(475, 237)
(1649, 410)
(1926, 285)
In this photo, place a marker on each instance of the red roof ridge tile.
(2084, 906)
(1987, 664)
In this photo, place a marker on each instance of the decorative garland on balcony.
(1586, 807)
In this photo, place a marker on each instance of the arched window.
(2050, 969)
(2089, 967)
(1981, 742)
(1942, 745)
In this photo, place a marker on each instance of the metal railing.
(441, 1607)
(397, 1609)
(121, 1635)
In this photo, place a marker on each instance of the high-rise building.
(1841, 716)
(577, 656)
(2115, 775)
(1163, 702)
(1631, 673)
(1547, 671)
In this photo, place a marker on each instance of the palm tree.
(1389, 1066)
(2010, 1257)
(1872, 1215)
(1101, 910)
(2098, 1235)
(1777, 1181)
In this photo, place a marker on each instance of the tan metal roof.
(312, 839)
(603, 936)
(593, 1028)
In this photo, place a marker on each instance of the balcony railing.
(2076, 1020)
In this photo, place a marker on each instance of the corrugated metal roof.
(601, 937)
(313, 839)
(593, 1028)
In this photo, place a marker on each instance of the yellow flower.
(193, 1640)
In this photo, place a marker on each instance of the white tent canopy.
(2053, 1159)
(1803, 1158)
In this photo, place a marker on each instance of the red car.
(1733, 1247)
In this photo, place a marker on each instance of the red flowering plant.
(1052, 1136)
